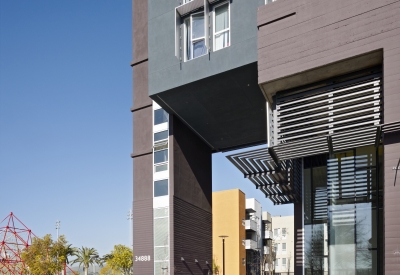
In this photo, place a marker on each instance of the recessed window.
(195, 36)
(160, 168)
(221, 27)
(160, 116)
(161, 156)
(160, 188)
(160, 135)
(283, 263)
(283, 247)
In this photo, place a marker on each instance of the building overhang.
(226, 110)
(273, 170)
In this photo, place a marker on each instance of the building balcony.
(268, 235)
(250, 225)
(266, 217)
(250, 244)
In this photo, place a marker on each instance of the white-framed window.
(283, 233)
(161, 188)
(283, 263)
(195, 36)
(160, 116)
(222, 34)
(277, 263)
(283, 248)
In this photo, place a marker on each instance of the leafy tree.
(45, 256)
(86, 256)
(215, 267)
(106, 270)
(120, 259)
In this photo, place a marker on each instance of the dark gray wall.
(164, 68)
(191, 197)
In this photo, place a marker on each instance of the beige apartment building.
(283, 243)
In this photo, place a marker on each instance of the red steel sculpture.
(14, 238)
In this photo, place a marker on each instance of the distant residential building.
(228, 213)
(254, 240)
(283, 244)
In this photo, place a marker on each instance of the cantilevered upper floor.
(202, 67)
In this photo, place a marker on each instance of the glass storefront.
(343, 212)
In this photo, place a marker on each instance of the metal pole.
(223, 256)
(130, 218)
(57, 227)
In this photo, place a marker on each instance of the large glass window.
(160, 156)
(160, 116)
(160, 135)
(195, 36)
(221, 27)
(343, 212)
(160, 188)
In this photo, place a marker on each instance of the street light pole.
(223, 253)
(130, 218)
(57, 227)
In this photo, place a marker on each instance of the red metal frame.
(14, 238)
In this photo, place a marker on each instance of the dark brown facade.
(190, 175)
(302, 42)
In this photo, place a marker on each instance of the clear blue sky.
(65, 123)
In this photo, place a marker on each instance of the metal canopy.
(279, 177)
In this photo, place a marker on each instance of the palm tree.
(67, 252)
(86, 256)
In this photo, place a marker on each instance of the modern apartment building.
(316, 80)
(228, 213)
(254, 237)
(238, 222)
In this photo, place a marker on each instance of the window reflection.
(340, 212)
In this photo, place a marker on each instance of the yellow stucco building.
(228, 212)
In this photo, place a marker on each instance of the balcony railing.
(250, 225)
(268, 235)
(250, 244)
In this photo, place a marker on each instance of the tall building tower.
(316, 80)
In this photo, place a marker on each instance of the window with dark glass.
(160, 156)
(160, 116)
(160, 135)
(160, 188)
